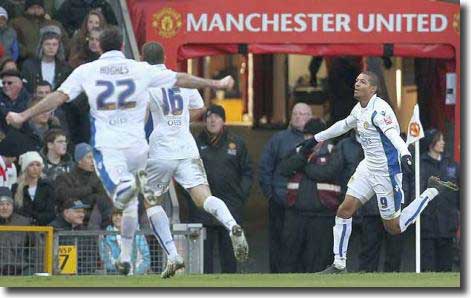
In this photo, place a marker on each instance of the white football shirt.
(116, 88)
(371, 122)
(170, 108)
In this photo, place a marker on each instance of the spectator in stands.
(10, 7)
(28, 28)
(12, 145)
(83, 183)
(55, 156)
(8, 37)
(84, 45)
(229, 172)
(13, 256)
(42, 123)
(48, 64)
(110, 249)
(312, 199)
(8, 156)
(273, 184)
(440, 220)
(72, 13)
(59, 115)
(8, 63)
(34, 195)
(13, 97)
(71, 215)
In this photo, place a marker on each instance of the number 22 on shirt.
(108, 100)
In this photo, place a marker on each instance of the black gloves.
(306, 146)
(407, 164)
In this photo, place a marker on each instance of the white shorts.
(388, 189)
(115, 165)
(187, 172)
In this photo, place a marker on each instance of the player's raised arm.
(50, 102)
(185, 80)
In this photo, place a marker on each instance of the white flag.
(415, 130)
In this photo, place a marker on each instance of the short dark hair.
(153, 53)
(43, 83)
(111, 39)
(372, 79)
(52, 134)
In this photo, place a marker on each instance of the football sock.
(342, 231)
(411, 212)
(129, 226)
(161, 228)
(218, 209)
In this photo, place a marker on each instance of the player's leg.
(120, 184)
(160, 174)
(359, 192)
(409, 215)
(192, 176)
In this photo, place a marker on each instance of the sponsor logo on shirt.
(388, 120)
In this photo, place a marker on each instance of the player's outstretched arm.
(50, 102)
(337, 129)
(185, 80)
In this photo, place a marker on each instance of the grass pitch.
(243, 280)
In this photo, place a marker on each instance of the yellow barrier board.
(67, 259)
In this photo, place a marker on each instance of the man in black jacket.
(273, 184)
(229, 172)
(312, 201)
(14, 97)
(83, 183)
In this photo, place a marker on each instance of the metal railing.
(26, 250)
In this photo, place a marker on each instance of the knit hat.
(314, 126)
(29, 3)
(3, 12)
(27, 158)
(81, 150)
(5, 194)
(50, 29)
(216, 109)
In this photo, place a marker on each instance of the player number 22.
(104, 99)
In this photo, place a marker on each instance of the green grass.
(243, 280)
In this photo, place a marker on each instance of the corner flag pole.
(417, 194)
(414, 133)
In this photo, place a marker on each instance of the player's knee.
(125, 192)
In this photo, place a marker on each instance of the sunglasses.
(8, 83)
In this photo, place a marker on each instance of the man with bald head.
(273, 184)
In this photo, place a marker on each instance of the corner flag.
(415, 130)
(414, 133)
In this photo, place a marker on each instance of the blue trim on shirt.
(394, 166)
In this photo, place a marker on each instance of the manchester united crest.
(167, 22)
